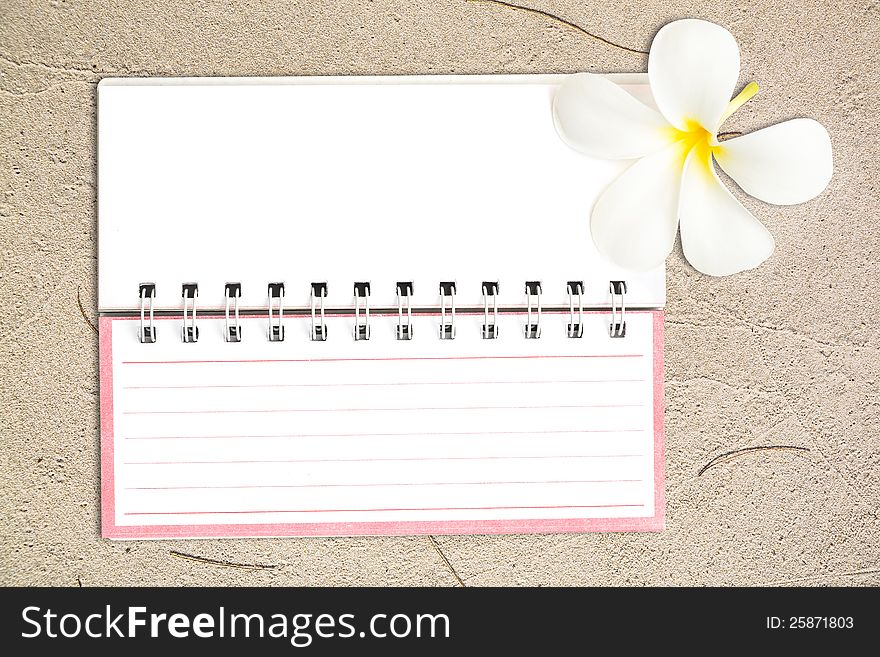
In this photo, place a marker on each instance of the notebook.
(366, 305)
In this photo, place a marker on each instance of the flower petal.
(787, 163)
(597, 117)
(693, 68)
(718, 235)
(634, 220)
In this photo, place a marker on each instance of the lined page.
(381, 436)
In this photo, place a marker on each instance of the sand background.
(788, 354)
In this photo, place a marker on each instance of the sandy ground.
(788, 354)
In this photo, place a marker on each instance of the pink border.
(108, 490)
(109, 529)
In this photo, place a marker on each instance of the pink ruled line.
(451, 508)
(380, 485)
(337, 360)
(405, 433)
(419, 458)
(396, 409)
(405, 383)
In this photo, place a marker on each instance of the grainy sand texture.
(787, 354)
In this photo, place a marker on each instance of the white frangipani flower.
(692, 69)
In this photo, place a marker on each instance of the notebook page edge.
(110, 530)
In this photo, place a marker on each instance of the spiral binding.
(319, 329)
(361, 295)
(233, 294)
(447, 299)
(404, 291)
(489, 329)
(575, 329)
(276, 329)
(532, 330)
(147, 334)
(617, 328)
(189, 292)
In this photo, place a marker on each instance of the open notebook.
(339, 306)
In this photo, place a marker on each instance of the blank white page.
(381, 436)
(299, 180)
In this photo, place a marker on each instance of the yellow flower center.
(696, 138)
